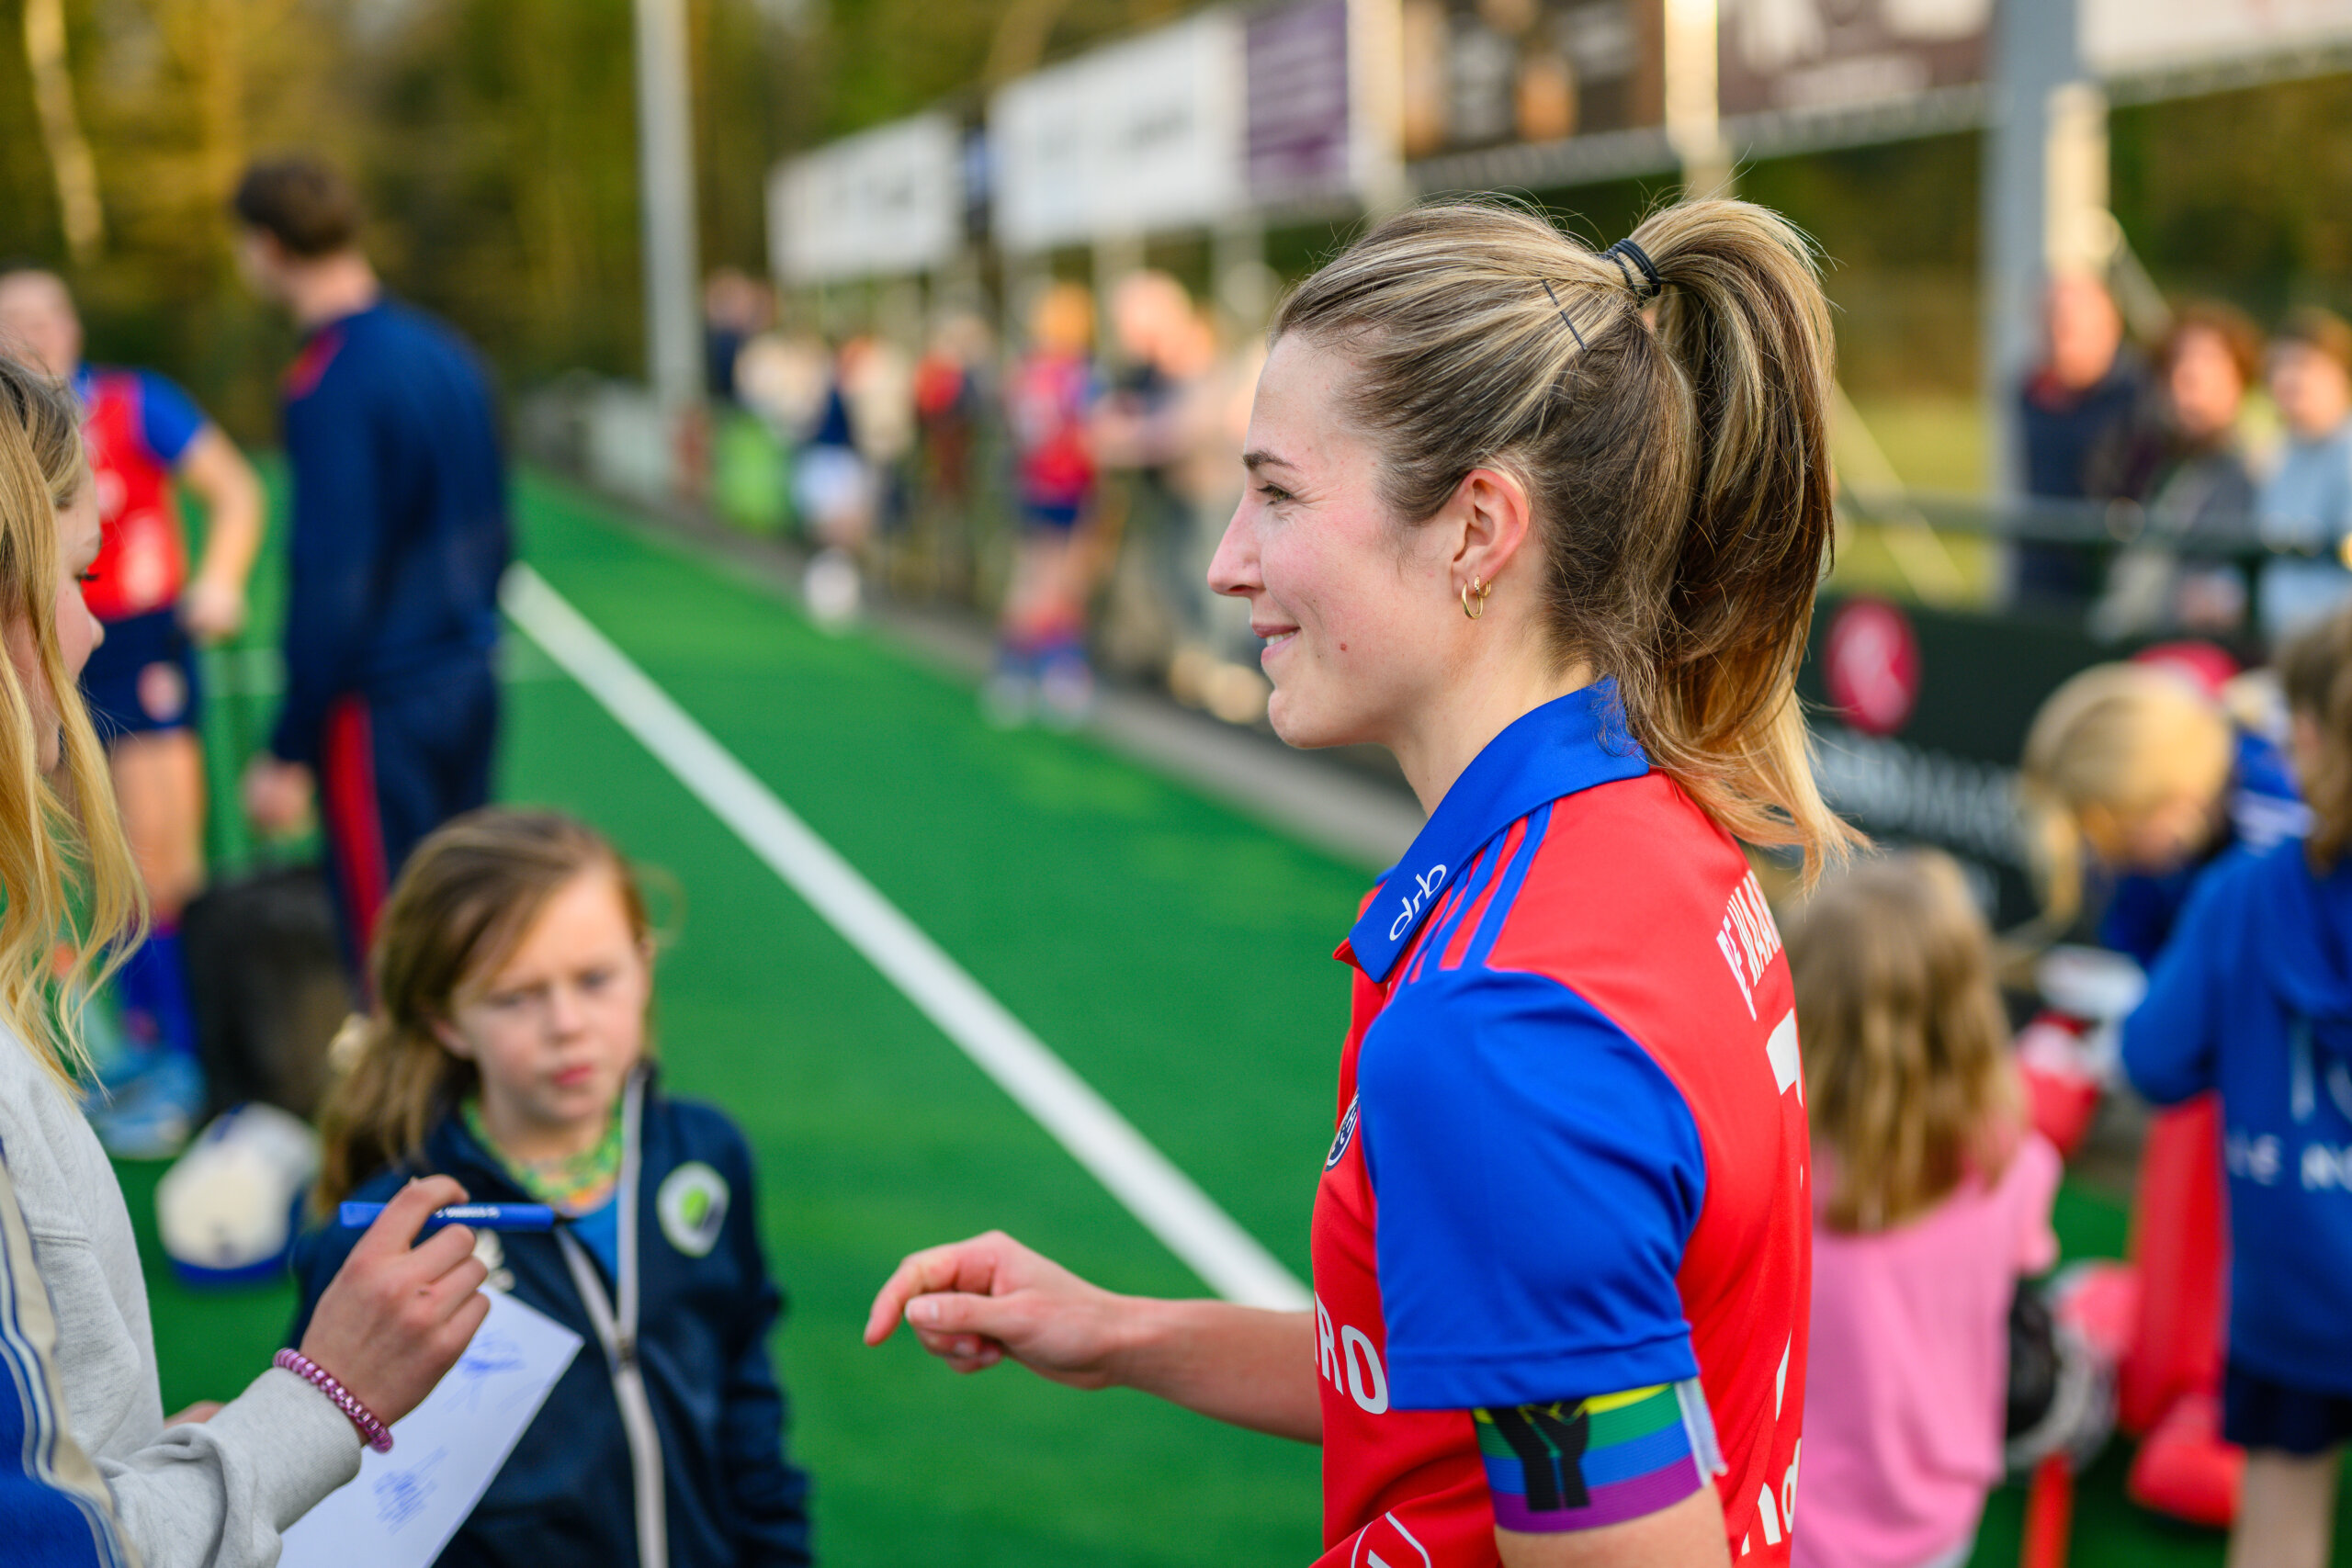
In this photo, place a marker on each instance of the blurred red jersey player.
(143, 437)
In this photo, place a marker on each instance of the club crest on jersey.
(1347, 1132)
(1425, 886)
(692, 1205)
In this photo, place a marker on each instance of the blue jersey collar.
(1570, 743)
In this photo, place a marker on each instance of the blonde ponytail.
(1681, 474)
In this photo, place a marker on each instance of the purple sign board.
(1297, 75)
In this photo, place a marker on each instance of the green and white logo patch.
(692, 1204)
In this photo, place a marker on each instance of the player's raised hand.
(972, 1303)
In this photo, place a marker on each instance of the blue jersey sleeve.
(1536, 1176)
(169, 421)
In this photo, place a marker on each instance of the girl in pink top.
(1931, 1200)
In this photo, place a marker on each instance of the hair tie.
(1563, 315)
(1619, 252)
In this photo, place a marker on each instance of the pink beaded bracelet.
(376, 1435)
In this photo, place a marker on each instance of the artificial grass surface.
(1176, 954)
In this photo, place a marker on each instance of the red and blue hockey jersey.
(1571, 1159)
(136, 427)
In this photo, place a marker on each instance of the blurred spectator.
(2142, 778)
(2126, 772)
(2186, 463)
(833, 490)
(1166, 349)
(736, 308)
(950, 394)
(849, 477)
(1931, 1200)
(2084, 393)
(2254, 1000)
(1041, 649)
(878, 382)
(786, 380)
(400, 537)
(1216, 665)
(143, 438)
(2306, 503)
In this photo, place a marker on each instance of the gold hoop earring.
(1476, 607)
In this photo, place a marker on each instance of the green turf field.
(1176, 954)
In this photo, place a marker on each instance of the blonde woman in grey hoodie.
(221, 1489)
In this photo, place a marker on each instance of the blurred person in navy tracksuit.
(400, 535)
(2071, 407)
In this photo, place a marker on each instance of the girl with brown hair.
(220, 1485)
(509, 1047)
(1546, 522)
(1931, 1200)
(2252, 997)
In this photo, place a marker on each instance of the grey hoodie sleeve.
(219, 1494)
(211, 1495)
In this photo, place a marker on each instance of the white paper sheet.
(406, 1504)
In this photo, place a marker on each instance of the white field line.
(1168, 1203)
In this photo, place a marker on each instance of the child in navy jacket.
(2254, 997)
(513, 969)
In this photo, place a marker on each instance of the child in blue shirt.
(513, 973)
(2252, 997)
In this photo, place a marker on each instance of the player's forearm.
(234, 508)
(1242, 1365)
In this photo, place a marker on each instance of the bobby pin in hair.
(1619, 252)
(1564, 314)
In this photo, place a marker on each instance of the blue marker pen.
(480, 1216)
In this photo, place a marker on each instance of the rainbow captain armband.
(1580, 1465)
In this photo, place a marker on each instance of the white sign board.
(1137, 137)
(884, 202)
(2124, 36)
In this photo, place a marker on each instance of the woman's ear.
(1495, 518)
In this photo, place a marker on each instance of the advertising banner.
(1826, 54)
(886, 202)
(1300, 125)
(1135, 139)
(1921, 716)
(2123, 36)
(1478, 73)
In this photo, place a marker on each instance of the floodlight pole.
(1693, 106)
(666, 180)
(2045, 166)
